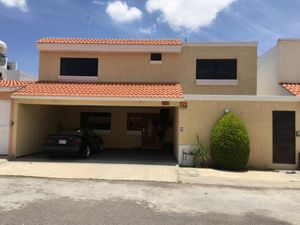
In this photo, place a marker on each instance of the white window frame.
(78, 78)
(217, 82)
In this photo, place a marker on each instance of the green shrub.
(230, 143)
(200, 153)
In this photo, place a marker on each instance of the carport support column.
(13, 130)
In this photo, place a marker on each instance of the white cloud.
(148, 30)
(187, 14)
(21, 4)
(120, 12)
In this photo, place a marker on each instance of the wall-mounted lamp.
(226, 111)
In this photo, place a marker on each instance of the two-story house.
(152, 94)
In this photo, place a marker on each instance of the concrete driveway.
(139, 172)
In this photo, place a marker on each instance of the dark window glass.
(96, 121)
(78, 67)
(216, 69)
(156, 57)
(134, 122)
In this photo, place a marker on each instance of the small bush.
(230, 143)
(200, 153)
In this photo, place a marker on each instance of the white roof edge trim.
(10, 89)
(254, 44)
(6, 89)
(108, 48)
(190, 97)
(96, 98)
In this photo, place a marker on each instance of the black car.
(81, 142)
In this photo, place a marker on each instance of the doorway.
(284, 139)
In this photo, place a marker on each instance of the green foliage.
(230, 143)
(199, 152)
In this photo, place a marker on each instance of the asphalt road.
(44, 201)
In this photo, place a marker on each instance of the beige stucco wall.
(246, 69)
(288, 60)
(176, 67)
(118, 137)
(201, 116)
(32, 123)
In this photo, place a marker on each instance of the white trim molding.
(214, 82)
(78, 78)
(10, 89)
(108, 48)
(191, 97)
(155, 62)
(221, 44)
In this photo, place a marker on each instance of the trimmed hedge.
(230, 143)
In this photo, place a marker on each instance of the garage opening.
(144, 135)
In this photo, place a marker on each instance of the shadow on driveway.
(120, 156)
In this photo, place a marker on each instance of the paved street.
(53, 201)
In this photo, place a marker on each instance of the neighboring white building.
(279, 69)
(11, 80)
(9, 70)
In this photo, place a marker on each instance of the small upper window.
(156, 57)
(219, 69)
(79, 67)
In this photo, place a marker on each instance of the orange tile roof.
(14, 83)
(99, 89)
(109, 41)
(293, 88)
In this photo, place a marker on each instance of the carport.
(138, 126)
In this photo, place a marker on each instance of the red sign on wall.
(183, 105)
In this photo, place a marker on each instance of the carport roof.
(293, 88)
(101, 90)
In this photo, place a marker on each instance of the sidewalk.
(132, 172)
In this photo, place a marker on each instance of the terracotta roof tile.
(293, 88)
(109, 41)
(99, 89)
(14, 83)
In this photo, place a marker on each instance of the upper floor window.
(216, 69)
(86, 67)
(155, 58)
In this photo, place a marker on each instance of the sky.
(23, 22)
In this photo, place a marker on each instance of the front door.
(149, 133)
(284, 137)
